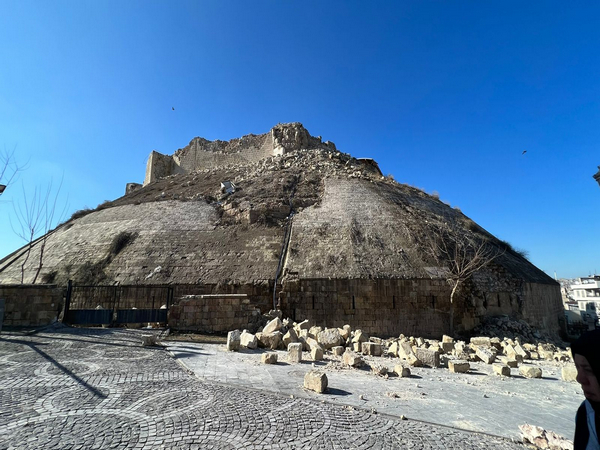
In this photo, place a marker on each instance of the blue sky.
(444, 95)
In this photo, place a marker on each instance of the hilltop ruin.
(288, 220)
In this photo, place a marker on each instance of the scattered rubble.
(544, 439)
(269, 358)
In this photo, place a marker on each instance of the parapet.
(201, 153)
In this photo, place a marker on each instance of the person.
(586, 354)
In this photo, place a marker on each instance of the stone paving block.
(316, 381)
(295, 352)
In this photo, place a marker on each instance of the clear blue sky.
(444, 95)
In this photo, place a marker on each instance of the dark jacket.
(582, 434)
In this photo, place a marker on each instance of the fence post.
(68, 301)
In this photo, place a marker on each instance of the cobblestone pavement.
(100, 389)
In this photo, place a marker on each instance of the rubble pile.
(505, 326)
(352, 348)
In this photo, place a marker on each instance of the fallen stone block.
(294, 352)
(359, 336)
(379, 369)
(447, 347)
(316, 381)
(304, 325)
(352, 359)
(371, 348)
(393, 349)
(290, 337)
(357, 346)
(501, 369)
(312, 343)
(447, 339)
(337, 350)
(314, 331)
(149, 340)
(486, 354)
(233, 340)
(345, 332)
(269, 358)
(269, 340)
(316, 354)
(511, 362)
(248, 340)
(273, 325)
(428, 357)
(330, 337)
(569, 373)
(458, 366)
(401, 371)
(481, 341)
(420, 342)
(530, 372)
(521, 351)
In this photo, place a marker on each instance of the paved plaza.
(66, 388)
(477, 401)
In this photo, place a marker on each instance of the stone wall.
(381, 307)
(31, 305)
(388, 307)
(217, 313)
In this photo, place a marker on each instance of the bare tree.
(459, 254)
(9, 168)
(36, 216)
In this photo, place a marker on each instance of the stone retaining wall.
(217, 313)
(31, 305)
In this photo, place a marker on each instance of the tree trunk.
(454, 288)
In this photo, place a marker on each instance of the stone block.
(401, 371)
(481, 341)
(428, 357)
(447, 339)
(316, 381)
(269, 358)
(569, 373)
(357, 347)
(501, 369)
(294, 352)
(511, 362)
(274, 325)
(304, 325)
(359, 336)
(312, 343)
(458, 366)
(530, 372)
(337, 350)
(447, 347)
(371, 348)
(486, 354)
(393, 349)
(269, 340)
(379, 369)
(314, 331)
(233, 340)
(316, 354)
(330, 337)
(352, 359)
(290, 337)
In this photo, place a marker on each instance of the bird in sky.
(172, 108)
(524, 151)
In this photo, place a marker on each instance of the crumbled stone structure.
(312, 231)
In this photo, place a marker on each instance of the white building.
(586, 292)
